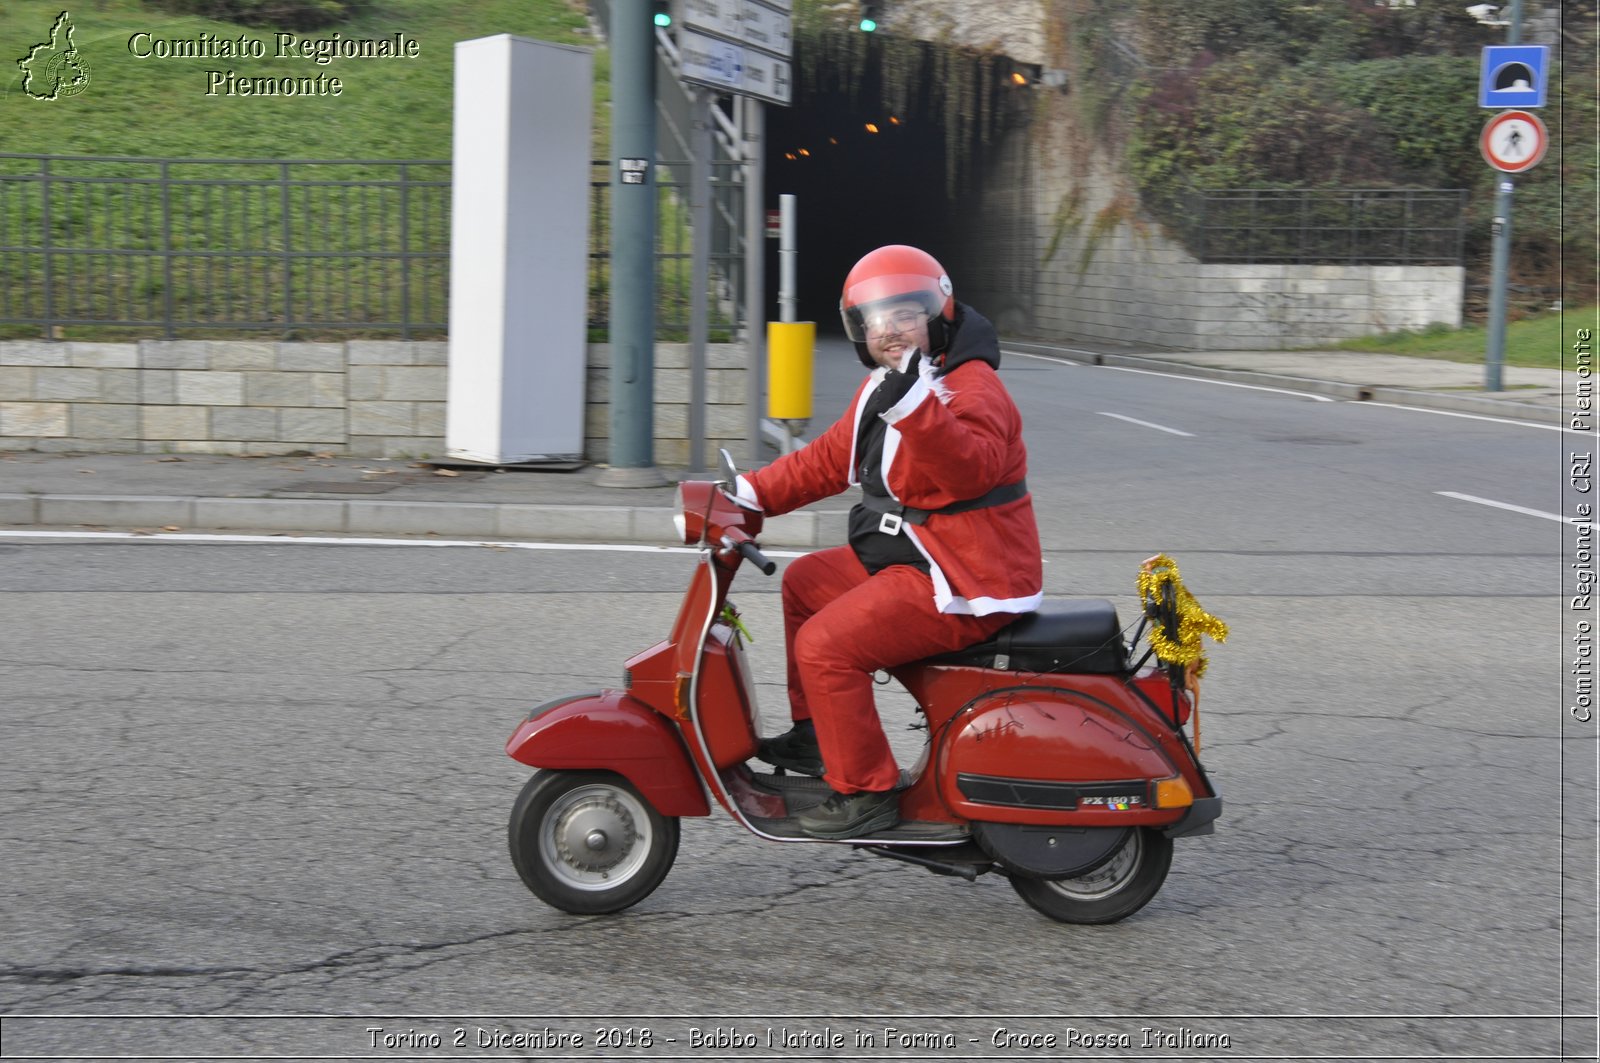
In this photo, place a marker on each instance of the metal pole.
(700, 223)
(786, 257)
(755, 262)
(46, 242)
(633, 242)
(1500, 255)
(288, 262)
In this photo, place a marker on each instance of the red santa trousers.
(841, 625)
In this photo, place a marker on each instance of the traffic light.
(663, 12)
(869, 17)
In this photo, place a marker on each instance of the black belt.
(895, 514)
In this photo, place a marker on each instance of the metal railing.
(207, 246)
(675, 247)
(224, 244)
(1344, 226)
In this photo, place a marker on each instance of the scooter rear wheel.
(588, 843)
(1114, 890)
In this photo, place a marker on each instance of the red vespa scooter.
(1051, 758)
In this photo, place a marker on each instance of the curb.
(1436, 400)
(483, 520)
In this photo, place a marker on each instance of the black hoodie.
(973, 337)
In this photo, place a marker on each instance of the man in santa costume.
(944, 550)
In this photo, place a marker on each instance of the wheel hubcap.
(1106, 879)
(596, 837)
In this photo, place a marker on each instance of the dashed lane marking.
(1146, 424)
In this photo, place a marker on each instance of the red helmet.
(894, 274)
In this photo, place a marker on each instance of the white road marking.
(1146, 424)
(314, 540)
(1181, 376)
(1478, 417)
(1224, 383)
(1503, 505)
(1046, 357)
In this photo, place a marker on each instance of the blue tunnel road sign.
(1513, 75)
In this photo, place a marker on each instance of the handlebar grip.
(753, 554)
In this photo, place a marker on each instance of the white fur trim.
(745, 491)
(855, 427)
(947, 601)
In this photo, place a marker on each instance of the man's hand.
(895, 384)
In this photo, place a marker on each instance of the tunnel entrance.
(889, 140)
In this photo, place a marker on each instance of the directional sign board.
(1513, 75)
(1513, 141)
(739, 46)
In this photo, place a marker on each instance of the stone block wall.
(725, 403)
(1106, 272)
(363, 398)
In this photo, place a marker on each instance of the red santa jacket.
(955, 436)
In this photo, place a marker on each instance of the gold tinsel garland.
(1155, 576)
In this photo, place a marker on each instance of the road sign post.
(1504, 68)
(743, 48)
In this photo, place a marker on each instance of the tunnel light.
(872, 127)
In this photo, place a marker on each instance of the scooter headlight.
(679, 520)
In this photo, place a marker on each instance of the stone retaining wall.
(1106, 272)
(365, 398)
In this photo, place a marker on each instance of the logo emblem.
(55, 68)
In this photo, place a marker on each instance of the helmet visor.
(885, 319)
(883, 304)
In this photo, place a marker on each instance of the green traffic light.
(868, 25)
(663, 19)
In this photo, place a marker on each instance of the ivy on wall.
(1276, 93)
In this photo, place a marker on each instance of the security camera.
(1485, 13)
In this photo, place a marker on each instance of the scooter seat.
(1082, 635)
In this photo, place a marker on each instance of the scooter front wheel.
(1114, 890)
(588, 843)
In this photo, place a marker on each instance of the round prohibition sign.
(1513, 141)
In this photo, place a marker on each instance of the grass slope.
(1538, 341)
(389, 108)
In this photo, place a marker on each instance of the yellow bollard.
(790, 347)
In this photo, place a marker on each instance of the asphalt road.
(263, 786)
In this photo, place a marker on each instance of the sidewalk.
(323, 494)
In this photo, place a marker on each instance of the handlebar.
(753, 554)
(738, 540)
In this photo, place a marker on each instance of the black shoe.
(851, 815)
(796, 750)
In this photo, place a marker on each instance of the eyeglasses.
(901, 320)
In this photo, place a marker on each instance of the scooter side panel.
(1051, 756)
(611, 731)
